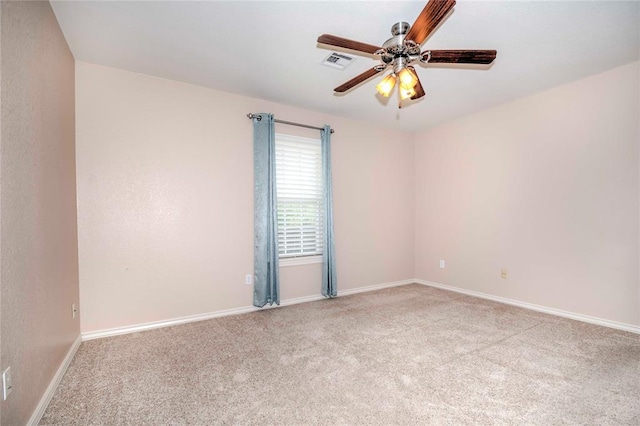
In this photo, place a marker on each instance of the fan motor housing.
(395, 44)
(398, 46)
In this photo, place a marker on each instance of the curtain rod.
(291, 123)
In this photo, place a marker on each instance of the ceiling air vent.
(338, 60)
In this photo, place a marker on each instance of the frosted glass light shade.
(406, 92)
(407, 77)
(386, 85)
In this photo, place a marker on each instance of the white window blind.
(299, 187)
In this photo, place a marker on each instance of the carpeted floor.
(405, 355)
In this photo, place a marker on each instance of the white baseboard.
(374, 287)
(235, 311)
(552, 311)
(117, 331)
(53, 385)
(246, 309)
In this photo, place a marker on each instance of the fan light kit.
(403, 49)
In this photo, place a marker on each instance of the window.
(300, 201)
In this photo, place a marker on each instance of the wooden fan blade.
(357, 80)
(459, 56)
(419, 91)
(345, 43)
(432, 14)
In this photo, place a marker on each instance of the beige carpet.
(406, 355)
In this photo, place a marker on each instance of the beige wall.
(546, 187)
(39, 269)
(165, 199)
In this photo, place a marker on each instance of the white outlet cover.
(248, 279)
(442, 264)
(6, 383)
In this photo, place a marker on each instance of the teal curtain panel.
(329, 282)
(266, 285)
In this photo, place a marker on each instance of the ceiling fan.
(403, 50)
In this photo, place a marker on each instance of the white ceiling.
(268, 49)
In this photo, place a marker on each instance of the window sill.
(296, 261)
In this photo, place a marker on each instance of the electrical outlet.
(442, 264)
(503, 274)
(248, 279)
(74, 311)
(6, 383)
